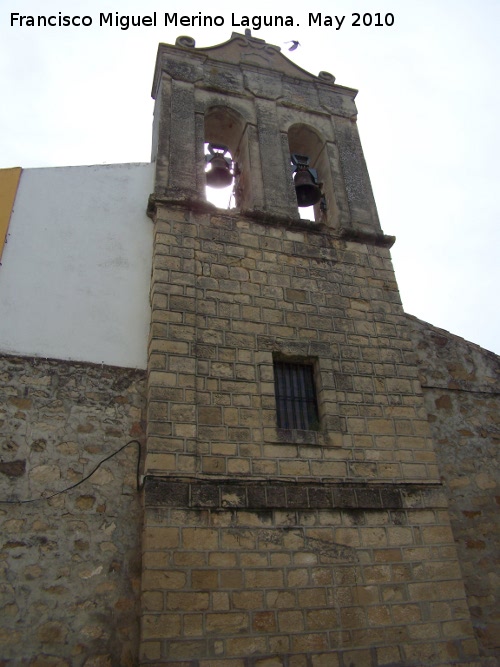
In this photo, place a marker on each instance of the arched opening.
(226, 153)
(311, 172)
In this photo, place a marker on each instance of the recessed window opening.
(220, 172)
(295, 393)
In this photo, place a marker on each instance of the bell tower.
(294, 514)
(272, 116)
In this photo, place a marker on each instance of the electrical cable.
(84, 479)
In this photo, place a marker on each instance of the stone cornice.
(224, 493)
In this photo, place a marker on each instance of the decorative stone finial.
(184, 40)
(326, 76)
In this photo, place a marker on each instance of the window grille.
(295, 393)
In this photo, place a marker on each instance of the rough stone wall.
(70, 564)
(461, 383)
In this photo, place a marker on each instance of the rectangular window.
(295, 396)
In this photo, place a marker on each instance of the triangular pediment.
(247, 50)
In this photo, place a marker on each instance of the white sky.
(428, 107)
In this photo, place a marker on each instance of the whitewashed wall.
(74, 280)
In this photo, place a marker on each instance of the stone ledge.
(224, 493)
(370, 238)
(192, 202)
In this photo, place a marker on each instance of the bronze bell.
(219, 174)
(308, 193)
(305, 180)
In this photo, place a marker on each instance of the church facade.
(292, 471)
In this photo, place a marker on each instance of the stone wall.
(71, 563)
(228, 294)
(461, 383)
(271, 547)
(301, 576)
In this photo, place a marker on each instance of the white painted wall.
(75, 274)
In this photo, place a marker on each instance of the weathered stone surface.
(345, 581)
(13, 468)
(244, 519)
(165, 492)
(217, 388)
(71, 563)
(461, 384)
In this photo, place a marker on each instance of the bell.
(219, 174)
(308, 193)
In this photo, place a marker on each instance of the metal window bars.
(295, 393)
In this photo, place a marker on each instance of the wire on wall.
(84, 479)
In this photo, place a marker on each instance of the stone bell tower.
(294, 514)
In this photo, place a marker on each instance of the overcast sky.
(428, 107)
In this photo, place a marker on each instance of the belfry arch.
(223, 126)
(304, 140)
